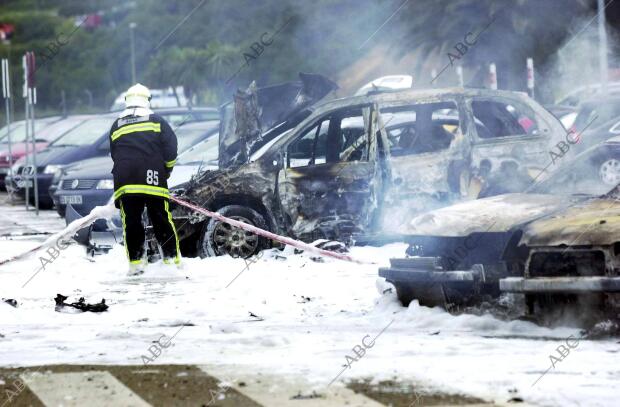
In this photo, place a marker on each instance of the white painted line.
(278, 391)
(93, 389)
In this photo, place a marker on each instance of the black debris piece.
(314, 395)
(10, 301)
(81, 305)
(256, 317)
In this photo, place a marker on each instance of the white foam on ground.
(474, 355)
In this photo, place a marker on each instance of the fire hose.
(269, 235)
(107, 211)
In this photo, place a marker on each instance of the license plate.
(25, 184)
(70, 199)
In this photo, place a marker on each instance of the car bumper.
(560, 285)
(96, 237)
(44, 181)
(90, 198)
(426, 276)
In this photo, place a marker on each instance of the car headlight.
(105, 184)
(52, 169)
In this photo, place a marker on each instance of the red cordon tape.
(282, 239)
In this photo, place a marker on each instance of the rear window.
(498, 119)
(55, 130)
(18, 132)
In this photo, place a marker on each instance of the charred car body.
(557, 247)
(354, 168)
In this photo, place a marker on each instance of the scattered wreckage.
(80, 306)
(352, 169)
(556, 247)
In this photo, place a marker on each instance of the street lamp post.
(132, 26)
(602, 45)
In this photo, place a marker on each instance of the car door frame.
(338, 174)
(455, 157)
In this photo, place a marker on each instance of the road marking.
(280, 391)
(93, 389)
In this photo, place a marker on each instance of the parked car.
(87, 140)
(46, 129)
(89, 183)
(588, 92)
(558, 245)
(354, 168)
(390, 82)
(160, 98)
(594, 117)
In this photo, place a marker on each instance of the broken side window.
(340, 136)
(310, 148)
(498, 119)
(421, 128)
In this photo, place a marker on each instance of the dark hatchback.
(88, 140)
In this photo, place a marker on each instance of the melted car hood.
(593, 222)
(494, 214)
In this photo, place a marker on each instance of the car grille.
(80, 184)
(567, 263)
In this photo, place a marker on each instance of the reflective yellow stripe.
(132, 128)
(177, 259)
(124, 232)
(141, 189)
(170, 164)
(144, 95)
(134, 261)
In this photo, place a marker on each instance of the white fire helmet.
(138, 96)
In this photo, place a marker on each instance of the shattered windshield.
(191, 133)
(596, 171)
(203, 152)
(18, 132)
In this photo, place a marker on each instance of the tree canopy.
(213, 47)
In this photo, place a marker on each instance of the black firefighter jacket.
(144, 151)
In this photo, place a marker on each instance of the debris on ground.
(81, 305)
(10, 301)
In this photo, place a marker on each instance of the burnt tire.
(219, 238)
(404, 293)
(426, 296)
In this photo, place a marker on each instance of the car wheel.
(219, 238)
(609, 172)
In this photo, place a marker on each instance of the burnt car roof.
(395, 95)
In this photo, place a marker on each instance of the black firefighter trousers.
(132, 206)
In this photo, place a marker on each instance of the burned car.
(354, 168)
(557, 246)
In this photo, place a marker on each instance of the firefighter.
(144, 149)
